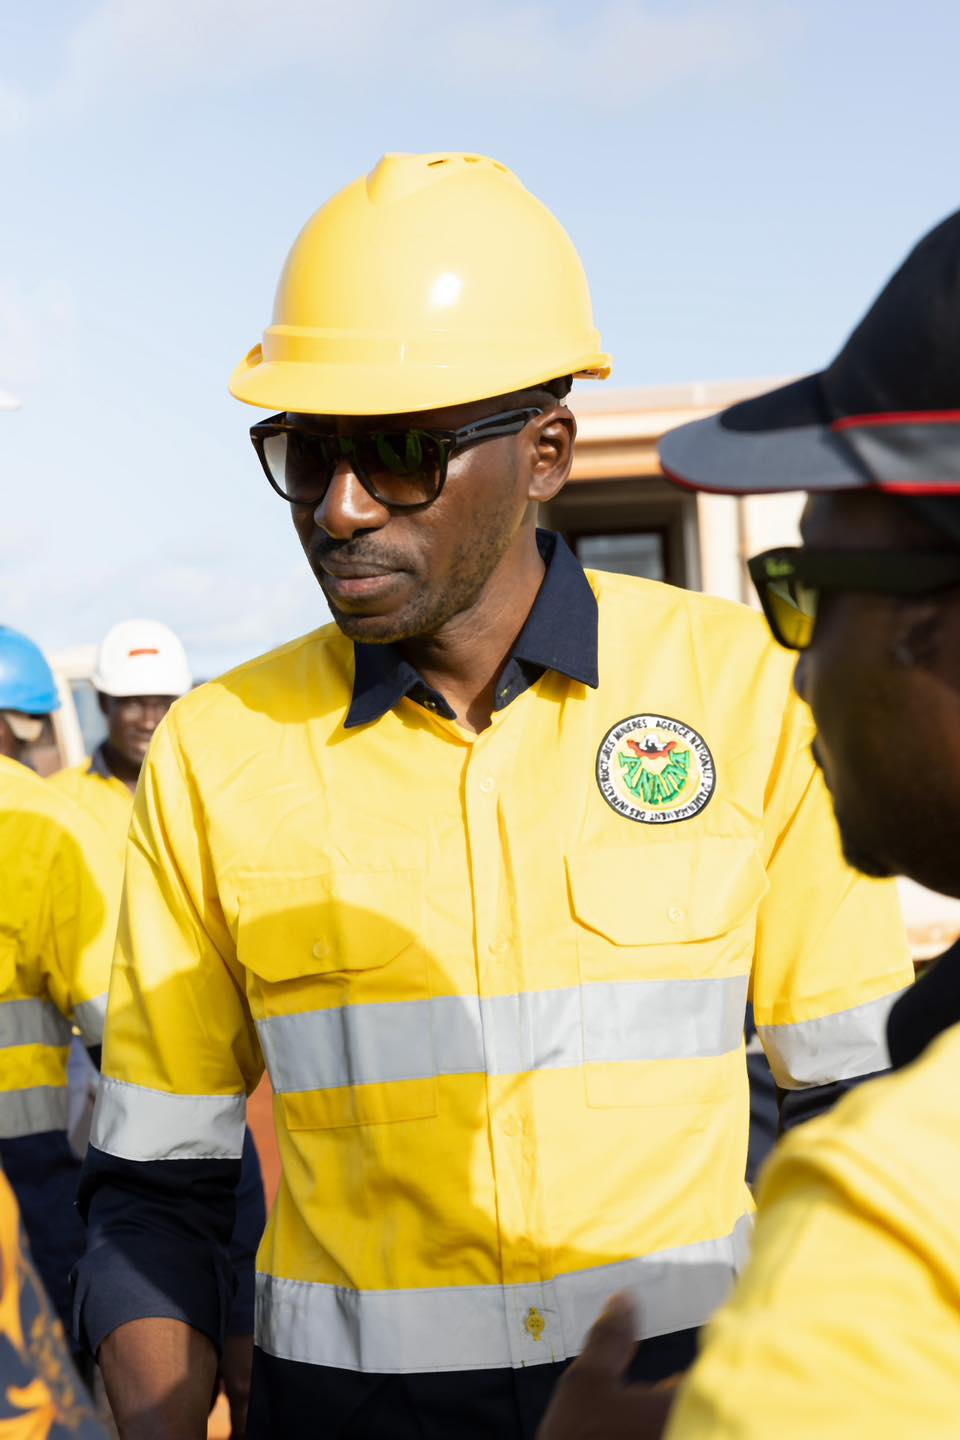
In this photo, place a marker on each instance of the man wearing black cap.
(847, 1320)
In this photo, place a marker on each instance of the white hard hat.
(141, 657)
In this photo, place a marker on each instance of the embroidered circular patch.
(655, 770)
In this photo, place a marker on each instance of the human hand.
(235, 1366)
(592, 1401)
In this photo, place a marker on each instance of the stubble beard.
(430, 609)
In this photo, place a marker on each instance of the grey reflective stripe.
(32, 1022)
(664, 1019)
(835, 1047)
(486, 1326)
(505, 1034)
(89, 1016)
(135, 1123)
(31, 1112)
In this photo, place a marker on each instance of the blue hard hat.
(26, 680)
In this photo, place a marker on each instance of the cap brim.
(776, 442)
(27, 728)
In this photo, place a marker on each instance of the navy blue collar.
(560, 634)
(98, 763)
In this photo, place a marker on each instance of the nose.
(347, 507)
(153, 712)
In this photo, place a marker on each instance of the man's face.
(131, 721)
(388, 576)
(10, 746)
(882, 677)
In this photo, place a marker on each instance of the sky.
(739, 178)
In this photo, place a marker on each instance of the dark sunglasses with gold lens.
(791, 581)
(403, 469)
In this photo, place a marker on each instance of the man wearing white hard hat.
(142, 669)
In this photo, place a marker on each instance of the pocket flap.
(666, 892)
(295, 925)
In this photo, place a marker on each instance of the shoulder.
(708, 614)
(40, 813)
(681, 642)
(22, 791)
(72, 781)
(291, 682)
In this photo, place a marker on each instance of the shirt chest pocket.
(665, 945)
(338, 978)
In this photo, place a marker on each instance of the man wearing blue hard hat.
(28, 693)
(56, 942)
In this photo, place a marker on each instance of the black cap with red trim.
(886, 413)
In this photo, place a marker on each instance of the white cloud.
(614, 53)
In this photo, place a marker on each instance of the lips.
(349, 585)
(340, 571)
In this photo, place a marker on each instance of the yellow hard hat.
(434, 280)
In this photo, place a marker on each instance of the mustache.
(361, 551)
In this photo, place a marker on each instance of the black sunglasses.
(401, 469)
(789, 582)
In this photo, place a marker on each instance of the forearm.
(159, 1377)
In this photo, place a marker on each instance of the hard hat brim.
(777, 442)
(396, 389)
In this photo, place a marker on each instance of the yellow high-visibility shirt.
(846, 1322)
(103, 796)
(56, 943)
(498, 980)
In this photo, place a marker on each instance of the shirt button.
(499, 947)
(510, 1125)
(430, 705)
(675, 914)
(487, 784)
(534, 1323)
(319, 951)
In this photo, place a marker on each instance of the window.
(631, 552)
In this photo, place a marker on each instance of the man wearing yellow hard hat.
(483, 873)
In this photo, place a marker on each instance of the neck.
(121, 767)
(465, 659)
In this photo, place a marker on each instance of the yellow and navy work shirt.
(56, 942)
(57, 926)
(847, 1320)
(498, 981)
(95, 788)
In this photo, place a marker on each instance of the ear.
(551, 440)
(104, 702)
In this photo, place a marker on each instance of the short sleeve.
(845, 1320)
